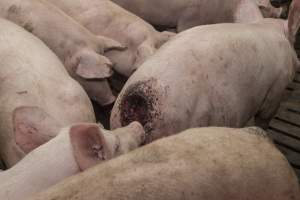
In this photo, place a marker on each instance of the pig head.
(92, 144)
(74, 149)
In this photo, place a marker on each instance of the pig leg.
(271, 103)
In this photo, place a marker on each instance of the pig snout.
(279, 3)
(130, 137)
(137, 132)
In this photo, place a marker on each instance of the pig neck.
(40, 169)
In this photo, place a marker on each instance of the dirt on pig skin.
(141, 103)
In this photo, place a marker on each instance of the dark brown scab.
(140, 104)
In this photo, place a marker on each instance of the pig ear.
(89, 145)
(33, 127)
(93, 66)
(294, 18)
(108, 44)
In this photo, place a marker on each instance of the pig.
(78, 49)
(202, 163)
(185, 14)
(37, 95)
(108, 19)
(212, 75)
(75, 149)
(268, 11)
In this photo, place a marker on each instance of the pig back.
(207, 163)
(215, 75)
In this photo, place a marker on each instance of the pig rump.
(141, 103)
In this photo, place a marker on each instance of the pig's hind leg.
(271, 103)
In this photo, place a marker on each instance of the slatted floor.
(284, 129)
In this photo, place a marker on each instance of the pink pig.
(213, 75)
(75, 149)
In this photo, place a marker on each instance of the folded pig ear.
(89, 145)
(294, 18)
(33, 127)
(108, 44)
(93, 66)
